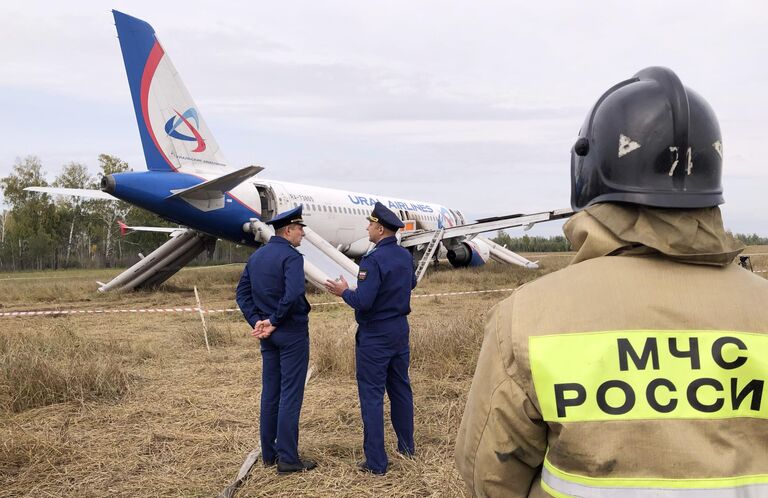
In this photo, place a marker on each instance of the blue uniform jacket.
(384, 284)
(272, 286)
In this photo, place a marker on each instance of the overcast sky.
(470, 104)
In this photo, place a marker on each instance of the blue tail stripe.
(137, 38)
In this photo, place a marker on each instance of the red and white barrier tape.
(195, 310)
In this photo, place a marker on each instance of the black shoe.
(363, 467)
(302, 466)
(270, 463)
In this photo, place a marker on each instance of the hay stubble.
(184, 419)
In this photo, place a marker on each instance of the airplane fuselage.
(336, 215)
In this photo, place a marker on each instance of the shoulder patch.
(362, 274)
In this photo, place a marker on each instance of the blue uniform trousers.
(381, 359)
(285, 357)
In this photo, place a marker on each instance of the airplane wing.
(74, 192)
(484, 225)
(465, 245)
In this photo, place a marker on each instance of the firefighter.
(639, 370)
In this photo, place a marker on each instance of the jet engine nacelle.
(469, 253)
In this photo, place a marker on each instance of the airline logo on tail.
(172, 124)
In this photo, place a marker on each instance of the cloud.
(472, 105)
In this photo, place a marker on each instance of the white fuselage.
(339, 215)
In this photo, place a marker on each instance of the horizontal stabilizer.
(209, 195)
(74, 192)
(127, 228)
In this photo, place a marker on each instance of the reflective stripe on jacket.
(563, 485)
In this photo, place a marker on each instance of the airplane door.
(458, 217)
(278, 198)
(268, 202)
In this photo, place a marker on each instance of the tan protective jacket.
(640, 370)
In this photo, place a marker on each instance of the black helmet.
(651, 141)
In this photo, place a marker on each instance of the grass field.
(132, 404)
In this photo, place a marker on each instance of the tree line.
(39, 231)
(559, 243)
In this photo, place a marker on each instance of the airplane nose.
(108, 184)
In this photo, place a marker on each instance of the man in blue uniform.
(382, 303)
(271, 296)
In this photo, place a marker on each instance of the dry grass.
(184, 420)
(219, 334)
(445, 342)
(50, 366)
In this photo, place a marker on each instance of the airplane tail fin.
(173, 133)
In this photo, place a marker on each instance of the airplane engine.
(469, 253)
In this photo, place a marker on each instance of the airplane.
(189, 182)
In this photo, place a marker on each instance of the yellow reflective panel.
(650, 374)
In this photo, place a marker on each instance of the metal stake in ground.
(202, 318)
